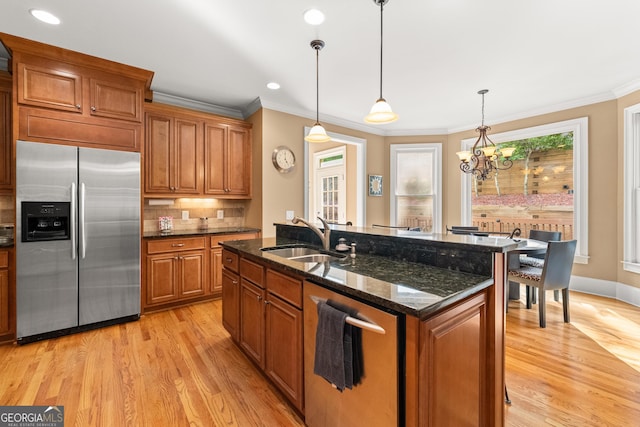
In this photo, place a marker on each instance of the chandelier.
(484, 156)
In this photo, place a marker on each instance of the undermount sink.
(303, 253)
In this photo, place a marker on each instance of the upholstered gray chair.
(555, 274)
(537, 260)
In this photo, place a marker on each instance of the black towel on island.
(353, 360)
(329, 355)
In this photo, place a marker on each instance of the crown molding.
(179, 101)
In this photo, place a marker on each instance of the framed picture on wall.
(375, 185)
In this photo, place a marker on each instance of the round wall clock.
(283, 159)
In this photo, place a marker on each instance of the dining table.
(525, 247)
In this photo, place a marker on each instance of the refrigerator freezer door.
(46, 288)
(109, 235)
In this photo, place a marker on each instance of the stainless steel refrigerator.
(77, 239)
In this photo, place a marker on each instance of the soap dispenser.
(342, 245)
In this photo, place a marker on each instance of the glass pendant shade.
(317, 134)
(381, 113)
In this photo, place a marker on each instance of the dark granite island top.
(414, 280)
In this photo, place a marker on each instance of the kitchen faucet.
(324, 237)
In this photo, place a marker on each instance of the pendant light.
(381, 112)
(317, 132)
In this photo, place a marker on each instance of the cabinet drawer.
(287, 288)
(230, 260)
(215, 240)
(4, 259)
(172, 245)
(252, 271)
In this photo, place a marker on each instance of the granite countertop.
(207, 232)
(411, 288)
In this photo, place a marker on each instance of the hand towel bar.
(354, 321)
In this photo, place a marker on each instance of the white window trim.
(361, 178)
(436, 149)
(631, 231)
(580, 129)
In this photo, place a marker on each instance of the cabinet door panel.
(187, 156)
(158, 154)
(4, 301)
(117, 101)
(284, 348)
(239, 162)
(216, 271)
(231, 303)
(5, 135)
(193, 274)
(214, 149)
(252, 321)
(161, 279)
(49, 88)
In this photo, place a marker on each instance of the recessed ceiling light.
(313, 17)
(273, 85)
(44, 16)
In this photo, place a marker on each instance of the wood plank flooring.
(180, 368)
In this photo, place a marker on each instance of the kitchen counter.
(407, 287)
(208, 232)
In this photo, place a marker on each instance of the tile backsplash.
(233, 212)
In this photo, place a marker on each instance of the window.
(631, 260)
(330, 188)
(580, 175)
(416, 186)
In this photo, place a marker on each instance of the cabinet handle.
(78, 106)
(172, 188)
(177, 245)
(267, 302)
(228, 259)
(93, 108)
(235, 282)
(259, 297)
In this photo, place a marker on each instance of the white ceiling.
(534, 56)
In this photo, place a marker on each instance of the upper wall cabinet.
(5, 134)
(190, 153)
(227, 160)
(70, 98)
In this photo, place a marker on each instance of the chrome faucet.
(325, 237)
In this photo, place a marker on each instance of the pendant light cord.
(381, 39)
(318, 86)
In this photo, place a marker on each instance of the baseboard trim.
(606, 288)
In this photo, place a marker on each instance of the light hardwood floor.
(179, 368)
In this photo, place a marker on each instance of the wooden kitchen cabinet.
(192, 153)
(71, 98)
(228, 154)
(270, 321)
(66, 87)
(5, 134)
(5, 324)
(176, 270)
(216, 260)
(173, 147)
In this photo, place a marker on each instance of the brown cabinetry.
(172, 151)
(194, 153)
(5, 134)
(175, 270)
(268, 306)
(71, 98)
(5, 324)
(227, 160)
(216, 261)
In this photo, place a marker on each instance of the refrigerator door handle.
(72, 226)
(83, 239)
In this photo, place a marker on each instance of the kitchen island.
(445, 291)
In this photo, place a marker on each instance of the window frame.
(579, 127)
(631, 222)
(436, 149)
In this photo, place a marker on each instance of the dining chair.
(554, 275)
(537, 260)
